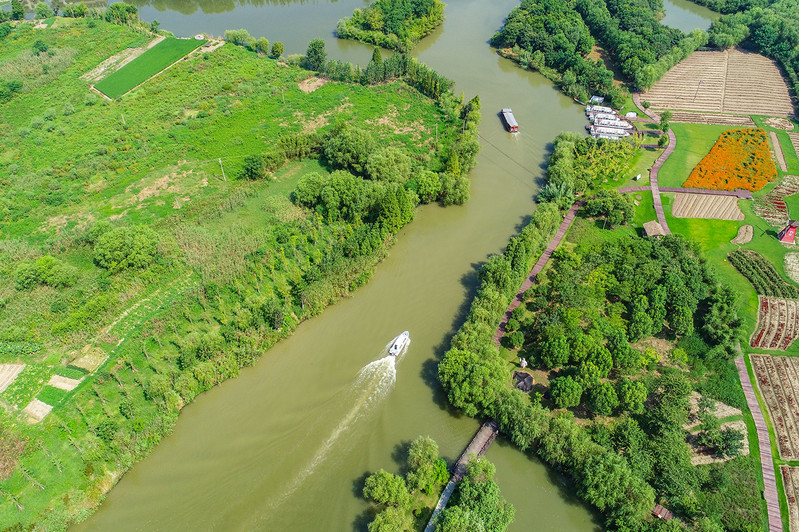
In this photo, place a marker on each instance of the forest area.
(393, 24)
(622, 331)
(557, 37)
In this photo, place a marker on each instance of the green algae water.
(286, 445)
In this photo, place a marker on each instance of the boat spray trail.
(371, 387)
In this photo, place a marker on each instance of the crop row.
(762, 274)
(777, 378)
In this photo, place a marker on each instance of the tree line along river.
(285, 445)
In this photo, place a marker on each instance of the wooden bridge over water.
(478, 447)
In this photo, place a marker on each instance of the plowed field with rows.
(790, 479)
(732, 81)
(778, 380)
(772, 207)
(706, 206)
(721, 120)
(777, 323)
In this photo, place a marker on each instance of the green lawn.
(146, 65)
(693, 143)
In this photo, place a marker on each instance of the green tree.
(277, 49)
(383, 487)
(472, 382)
(640, 326)
(377, 57)
(453, 164)
(392, 519)
(663, 141)
(428, 186)
(389, 164)
(682, 321)
(316, 56)
(123, 248)
(17, 11)
(39, 46)
(607, 482)
(43, 10)
(154, 25)
(632, 395)
(515, 339)
(566, 392)
(555, 352)
(458, 519)
(254, 168)
(349, 148)
(602, 399)
(731, 442)
(665, 119)
(262, 46)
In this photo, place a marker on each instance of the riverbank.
(224, 267)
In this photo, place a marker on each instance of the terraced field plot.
(722, 120)
(772, 207)
(790, 479)
(778, 380)
(146, 65)
(732, 81)
(777, 323)
(706, 206)
(9, 372)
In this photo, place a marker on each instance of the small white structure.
(597, 99)
(636, 178)
(523, 363)
(631, 114)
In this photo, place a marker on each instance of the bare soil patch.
(9, 372)
(744, 236)
(721, 410)
(790, 479)
(779, 123)
(90, 358)
(311, 84)
(778, 380)
(11, 449)
(706, 206)
(777, 149)
(704, 456)
(777, 324)
(792, 266)
(392, 122)
(732, 81)
(37, 411)
(117, 61)
(63, 383)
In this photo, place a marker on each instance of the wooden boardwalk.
(770, 493)
(537, 267)
(478, 447)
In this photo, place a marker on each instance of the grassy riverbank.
(138, 263)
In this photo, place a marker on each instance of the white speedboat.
(399, 343)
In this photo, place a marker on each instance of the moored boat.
(399, 343)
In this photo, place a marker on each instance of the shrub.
(39, 46)
(126, 248)
(277, 49)
(45, 270)
(262, 46)
(68, 109)
(37, 123)
(50, 114)
(43, 10)
(90, 99)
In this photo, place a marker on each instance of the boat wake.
(371, 387)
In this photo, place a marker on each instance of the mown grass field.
(69, 163)
(146, 65)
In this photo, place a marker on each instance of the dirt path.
(539, 265)
(770, 493)
(775, 143)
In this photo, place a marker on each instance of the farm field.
(146, 65)
(773, 207)
(732, 81)
(706, 206)
(790, 479)
(778, 381)
(777, 324)
(712, 119)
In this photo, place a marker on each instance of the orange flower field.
(739, 159)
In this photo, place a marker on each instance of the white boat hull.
(399, 343)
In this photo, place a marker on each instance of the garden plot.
(792, 266)
(772, 207)
(701, 456)
(9, 372)
(711, 119)
(777, 325)
(778, 380)
(706, 206)
(37, 410)
(744, 236)
(732, 81)
(777, 149)
(63, 383)
(795, 141)
(790, 479)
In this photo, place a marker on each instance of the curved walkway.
(539, 265)
(653, 174)
(770, 493)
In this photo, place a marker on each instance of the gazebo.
(653, 229)
(524, 381)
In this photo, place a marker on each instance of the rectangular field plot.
(732, 81)
(778, 380)
(706, 206)
(790, 478)
(146, 65)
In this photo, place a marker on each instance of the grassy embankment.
(146, 65)
(227, 249)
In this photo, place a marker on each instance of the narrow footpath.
(653, 175)
(770, 493)
(539, 265)
(478, 447)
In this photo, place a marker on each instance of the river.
(286, 445)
